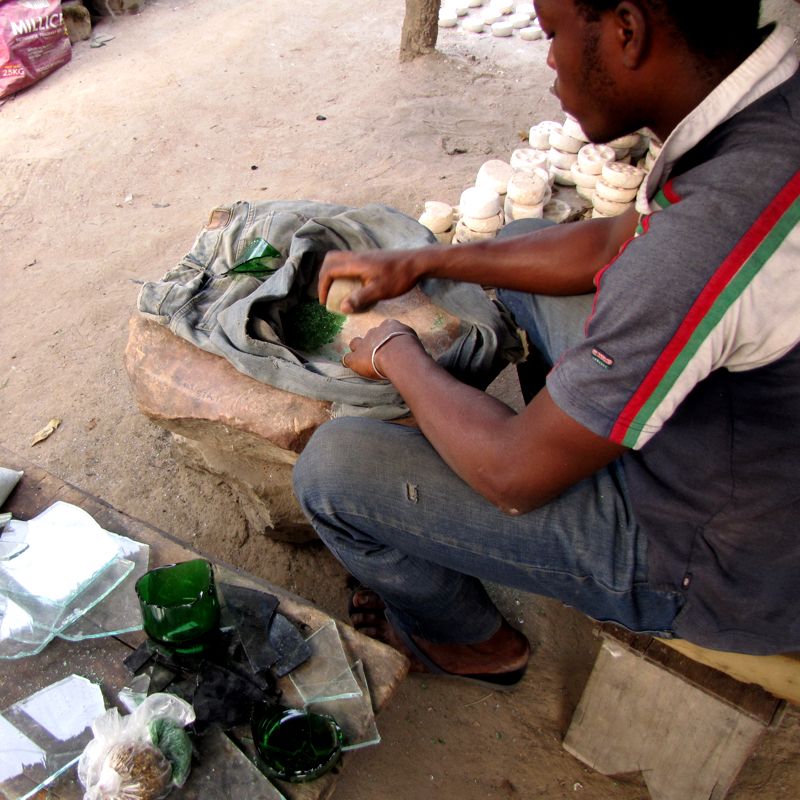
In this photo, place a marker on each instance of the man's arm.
(516, 461)
(558, 260)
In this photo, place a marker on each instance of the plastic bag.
(33, 42)
(141, 756)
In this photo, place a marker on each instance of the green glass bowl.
(295, 745)
(179, 603)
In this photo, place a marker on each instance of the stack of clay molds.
(481, 215)
(526, 197)
(539, 135)
(500, 18)
(439, 219)
(563, 153)
(532, 162)
(586, 171)
(494, 175)
(623, 145)
(528, 159)
(616, 189)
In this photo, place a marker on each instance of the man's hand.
(383, 274)
(360, 358)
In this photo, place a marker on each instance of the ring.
(344, 363)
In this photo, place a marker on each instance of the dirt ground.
(108, 169)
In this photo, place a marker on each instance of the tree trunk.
(420, 28)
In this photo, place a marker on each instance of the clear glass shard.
(95, 593)
(19, 637)
(44, 734)
(92, 599)
(119, 610)
(13, 539)
(66, 551)
(354, 715)
(17, 752)
(327, 674)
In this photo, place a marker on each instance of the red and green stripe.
(724, 288)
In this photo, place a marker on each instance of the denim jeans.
(405, 525)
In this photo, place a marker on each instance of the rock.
(226, 423)
(77, 19)
(339, 290)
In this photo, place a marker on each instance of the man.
(654, 480)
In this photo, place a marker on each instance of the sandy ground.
(109, 167)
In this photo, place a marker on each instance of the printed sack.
(33, 42)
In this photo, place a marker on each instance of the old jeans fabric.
(405, 525)
(239, 317)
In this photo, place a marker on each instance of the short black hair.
(710, 28)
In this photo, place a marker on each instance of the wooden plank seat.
(685, 716)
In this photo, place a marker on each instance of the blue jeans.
(405, 525)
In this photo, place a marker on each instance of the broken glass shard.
(13, 539)
(67, 549)
(91, 573)
(252, 612)
(327, 674)
(290, 644)
(355, 715)
(119, 611)
(18, 635)
(44, 734)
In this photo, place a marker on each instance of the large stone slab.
(227, 423)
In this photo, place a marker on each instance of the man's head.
(625, 64)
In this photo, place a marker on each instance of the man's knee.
(330, 457)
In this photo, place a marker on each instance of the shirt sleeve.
(709, 282)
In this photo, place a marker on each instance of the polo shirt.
(691, 359)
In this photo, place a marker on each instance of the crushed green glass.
(308, 326)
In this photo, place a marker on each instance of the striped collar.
(772, 63)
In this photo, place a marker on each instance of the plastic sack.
(140, 756)
(33, 42)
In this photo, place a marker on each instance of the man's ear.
(632, 29)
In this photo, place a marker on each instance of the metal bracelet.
(380, 344)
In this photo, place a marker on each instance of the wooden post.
(420, 28)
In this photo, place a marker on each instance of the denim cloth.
(405, 525)
(239, 317)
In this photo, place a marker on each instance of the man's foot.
(501, 658)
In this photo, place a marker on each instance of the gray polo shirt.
(691, 359)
